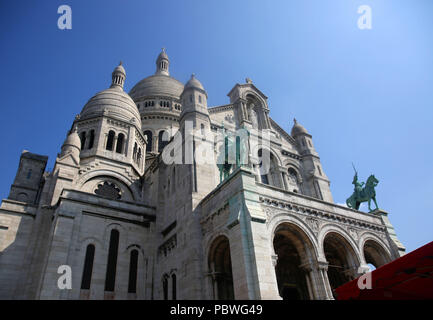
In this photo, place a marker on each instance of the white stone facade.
(132, 226)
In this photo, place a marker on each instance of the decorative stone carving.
(168, 245)
(108, 190)
(353, 233)
(314, 224)
(229, 118)
(268, 212)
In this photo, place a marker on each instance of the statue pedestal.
(390, 231)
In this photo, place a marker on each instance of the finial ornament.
(294, 120)
(248, 80)
(163, 49)
(120, 63)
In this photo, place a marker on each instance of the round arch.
(342, 257)
(254, 96)
(293, 250)
(374, 251)
(124, 182)
(284, 217)
(220, 267)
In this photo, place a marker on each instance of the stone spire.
(162, 63)
(118, 77)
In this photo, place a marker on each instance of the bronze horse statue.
(363, 194)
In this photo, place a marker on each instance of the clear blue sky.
(365, 95)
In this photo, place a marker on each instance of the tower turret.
(72, 145)
(316, 177)
(194, 98)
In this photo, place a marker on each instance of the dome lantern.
(118, 77)
(162, 63)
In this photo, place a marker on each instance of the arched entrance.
(375, 254)
(342, 261)
(220, 266)
(293, 249)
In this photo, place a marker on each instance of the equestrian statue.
(363, 193)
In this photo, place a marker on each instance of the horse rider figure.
(358, 186)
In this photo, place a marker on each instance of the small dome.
(194, 83)
(298, 129)
(162, 55)
(73, 140)
(120, 69)
(114, 102)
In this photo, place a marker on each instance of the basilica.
(131, 225)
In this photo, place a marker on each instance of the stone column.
(284, 178)
(323, 268)
(308, 270)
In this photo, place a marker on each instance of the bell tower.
(316, 178)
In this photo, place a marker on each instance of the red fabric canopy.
(408, 277)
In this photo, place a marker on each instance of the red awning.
(408, 277)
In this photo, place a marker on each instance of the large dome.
(160, 84)
(157, 85)
(114, 102)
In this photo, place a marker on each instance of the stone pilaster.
(398, 248)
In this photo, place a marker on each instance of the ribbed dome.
(298, 129)
(114, 102)
(157, 85)
(194, 83)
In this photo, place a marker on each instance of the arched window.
(110, 140)
(133, 266)
(110, 278)
(83, 139)
(165, 287)
(269, 172)
(139, 156)
(294, 183)
(134, 153)
(148, 134)
(88, 267)
(120, 140)
(91, 139)
(199, 98)
(162, 140)
(29, 173)
(173, 286)
(263, 167)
